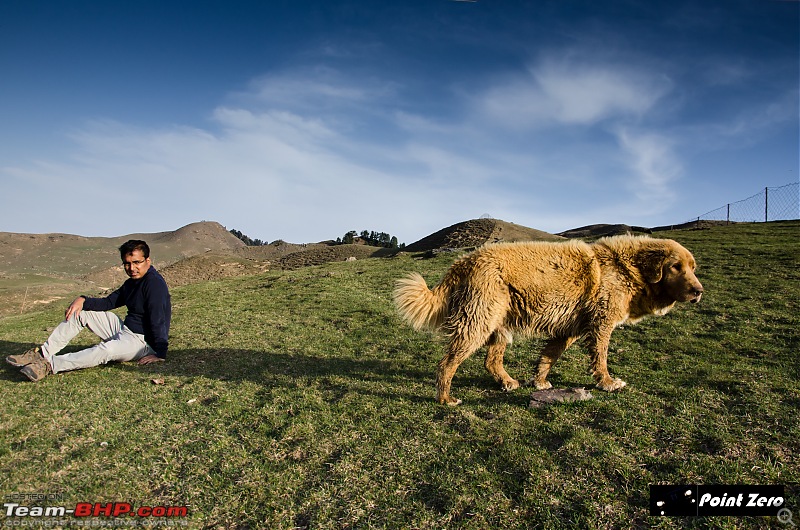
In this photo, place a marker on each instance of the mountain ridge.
(42, 268)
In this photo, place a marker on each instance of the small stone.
(558, 395)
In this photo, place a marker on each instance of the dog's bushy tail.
(419, 306)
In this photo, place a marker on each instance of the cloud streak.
(560, 89)
(654, 164)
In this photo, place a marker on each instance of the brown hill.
(477, 232)
(204, 236)
(38, 268)
(75, 257)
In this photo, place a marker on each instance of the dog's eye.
(678, 267)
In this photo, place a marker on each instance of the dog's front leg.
(550, 354)
(598, 342)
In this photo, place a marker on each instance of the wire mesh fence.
(770, 204)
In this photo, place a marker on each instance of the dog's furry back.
(480, 281)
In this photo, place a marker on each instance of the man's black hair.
(134, 244)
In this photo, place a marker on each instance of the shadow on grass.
(337, 375)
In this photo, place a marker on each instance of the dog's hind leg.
(457, 352)
(464, 341)
(481, 310)
(550, 354)
(494, 359)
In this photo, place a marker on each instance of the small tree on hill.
(246, 240)
(372, 238)
(349, 237)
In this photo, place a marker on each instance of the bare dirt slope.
(210, 266)
(477, 232)
(215, 266)
(278, 249)
(326, 254)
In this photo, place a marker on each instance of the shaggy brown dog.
(564, 291)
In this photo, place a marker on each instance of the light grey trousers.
(118, 342)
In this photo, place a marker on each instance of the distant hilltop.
(477, 232)
(70, 256)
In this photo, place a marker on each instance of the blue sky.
(301, 120)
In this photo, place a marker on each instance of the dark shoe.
(38, 370)
(24, 359)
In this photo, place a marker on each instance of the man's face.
(136, 265)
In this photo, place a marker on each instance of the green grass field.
(299, 400)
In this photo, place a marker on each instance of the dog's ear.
(651, 261)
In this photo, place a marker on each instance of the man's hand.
(149, 359)
(75, 307)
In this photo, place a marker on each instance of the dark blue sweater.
(149, 308)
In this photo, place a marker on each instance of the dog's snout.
(697, 292)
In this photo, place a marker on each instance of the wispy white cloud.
(760, 118)
(654, 165)
(572, 89)
(323, 90)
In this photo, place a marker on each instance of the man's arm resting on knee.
(75, 307)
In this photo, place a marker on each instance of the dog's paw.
(510, 385)
(448, 400)
(539, 385)
(611, 385)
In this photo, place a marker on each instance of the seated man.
(142, 337)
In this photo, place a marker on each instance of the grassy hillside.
(37, 269)
(298, 399)
(75, 257)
